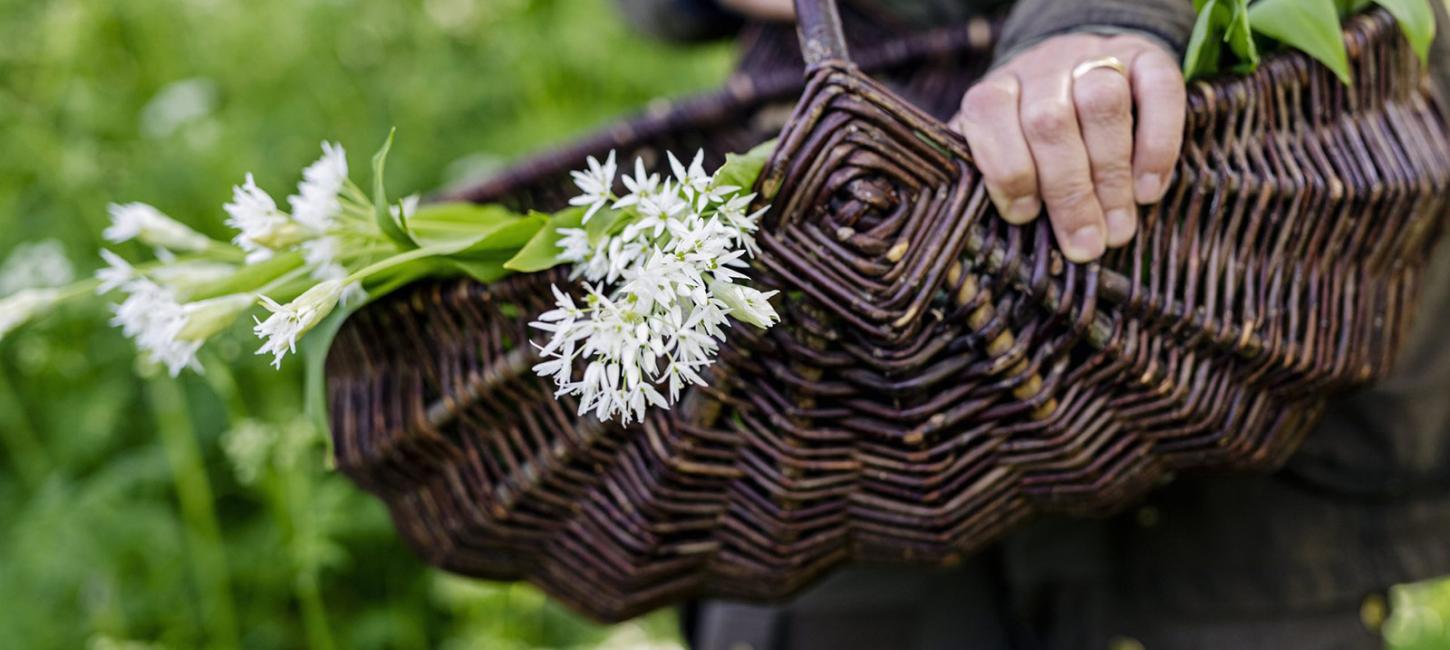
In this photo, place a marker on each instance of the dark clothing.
(1211, 561)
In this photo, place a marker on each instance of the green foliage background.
(139, 513)
(123, 518)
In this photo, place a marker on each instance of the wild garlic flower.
(290, 321)
(18, 308)
(35, 265)
(315, 204)
(115, 274)
(149, 226)
(747, 304)
(596, 185)
(321, 255)
(693, 180)
(641, 185)
(660, 293)
(261, 227)
(152, 317)
(573, 245)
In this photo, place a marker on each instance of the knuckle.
(1047, 120)
(1070, 196)
(1113, 173)
(986, 98)
(1017, 180)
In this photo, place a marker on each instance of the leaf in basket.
(314, 358)
(462, 229)
(741, 170)
(542, 251)
(1310, 26)
(482, 269)
(1417, 20)
(605, 222)
(1240, 38)
(1206, 44)
(384, 216)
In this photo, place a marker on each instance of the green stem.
(309, 594)
(397, 260)
(282, 280)
(24, 449)
(287, 505)
(194, 494)
(248, 278)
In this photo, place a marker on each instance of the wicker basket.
(938, 374)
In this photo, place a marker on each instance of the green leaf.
(1310, 26)
(1205, 45)
(1348, 7)
(1417, 21)
(605, 222)
(741, 170)
(1240, 38)
(400, 276)
(439, 224)
(542, 251)
(462, 229)
(381, 213)
(483, 270)
(252, 276)
(509, 236)
(314, 358)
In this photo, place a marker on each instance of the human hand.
(1040, 136)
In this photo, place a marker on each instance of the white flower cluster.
(314, 225)
(156, 312)
(660, 284)
(36, 265)
(168, 330)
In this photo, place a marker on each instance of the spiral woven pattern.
(938, 374)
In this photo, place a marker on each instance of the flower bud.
(21, 306)
(290, 321)
(205, 318)
(147, 224)
(746, 304)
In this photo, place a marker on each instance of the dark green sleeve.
(679, 20)
(1170, 21)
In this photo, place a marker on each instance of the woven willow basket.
(939, 374)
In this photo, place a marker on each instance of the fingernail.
(1024, 209)
(1121, 224)
(1085, 244)
(1149, 188)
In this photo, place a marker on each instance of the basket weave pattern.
(938, 374)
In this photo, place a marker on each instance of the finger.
(1105, 114)
(1161, 98)
(1049, 120)
(989, 121)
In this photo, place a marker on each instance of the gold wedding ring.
(1109, 62)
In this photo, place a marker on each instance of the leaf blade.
(1416, 19)
(1310, 26)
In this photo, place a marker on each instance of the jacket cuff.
(680, 20)
(1170, 22)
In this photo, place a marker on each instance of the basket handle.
(818, 22)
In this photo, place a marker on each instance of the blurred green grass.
(122, 515)
(150, 513)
